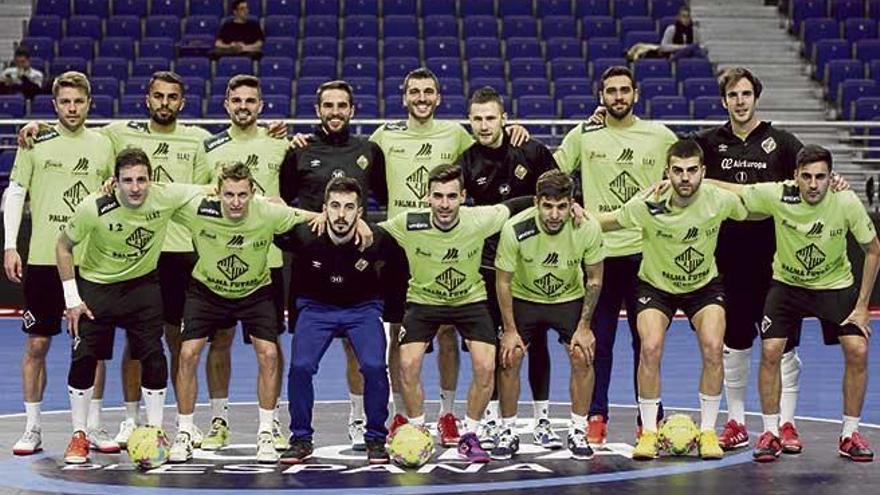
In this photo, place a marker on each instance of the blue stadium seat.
(451, 86)
(530, 86)
(366, 107)
(277, 46)
(519, 27)
(445, 66)
(255, 8)
(100, 8)
(102, 106)
(400, 26)
(362, 7)
(123, 25)
(320, 46)
(45, 26)
(494, 82)
(699, 86)
(548, 8)
(578, 106)
(522, 48)
(116, 47)
(564, 48)
(859, 28)
(12, 105)
(130, 7)
(527, 68)
(709, 108)
(604, 48)
(668, 107)
(392, 88)
(360, 47)
(393, 107)
(446, 24)
(599, 26)
(360, 67)
(308, 87)
(847, 9)
(866, 108)
(474, 7)
(162, 25)
(146, 66)
(231, 66)
(39, 46)
(665, 8)
(826, 50)
(645, 68)
(60, 8)
(873, 9)
(687, 68)
(192, 109)
(168, 7)
(361, 26)
(276, 106)
(452, 107)
(486, 67)
(322, 7)
(215, 107)
(482, 47)
(851, 90)
(401, 7)
(156, 47)
(318, 67)
(84, 25)
(136, 86)
(438, 7)
(600, 64)
(657, 86)
(193, 66)
(132, 106)
(515, 8)
(636, 23)
(64, 64)
(41, 106)
(479, 26)
(633, 37)
(76, 46)
(206, 7)
(838, 71)
(110, 67)
(558, 27)
(623, 8)
(571, 86)
(403, 47)
(364, 86)
(818, 28)
(867, 50)
(281, 25)
(194, 86)
(798, 10)
(201, 24)
(282, 7)
(442, 47)
(535, 107)
(592, 7)
(398, 67)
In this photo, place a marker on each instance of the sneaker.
(100, 440)
(126, 428)
(218, 435)
(597, 429)
(768, 448)
(488, 434)
(579, 445)
(376, 452)
(197, 437)
(506, 446)
(470, 450)
(447, 430)
(77, 451)
(299, 451)
(647, 448)
(30, 442)
(278, 436)
(182, 448)
(789, 438)
(545, 436)
(398, 421)
(266, 453)
(734, 436)
(856, 448)
(709, 447)
(356, 430)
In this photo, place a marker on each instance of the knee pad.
(791, 371)
(737, 364)
(82, 372)
(154, 371)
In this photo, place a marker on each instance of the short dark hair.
(343, 185)
(235, 171)
(486, 94)
(421, 73)
(684, 148)
(813, 153)
(554, 184)
(235, 3)
(446, 172)
(244, 80)
(169, 77)
(616, 70)
(338, 84)
(22, 51)
(734, 74)
(131, 157)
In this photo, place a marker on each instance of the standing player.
(334, 152)
(536, 296)
(494, 170)
(617, 159)
(119, 284)
(678, 272)
(65, 164)
(813, 277)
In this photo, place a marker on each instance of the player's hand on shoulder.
(598, 115)
(277, 129)
(838, 182)
(363, 235)
(657, 189)
(27, 134)
(519, 135)
(578, 214)
(12, 265)
(300, 140)
(108, 187)
(319, 224)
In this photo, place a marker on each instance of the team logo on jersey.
(624, 186)
(81, 167)
(362, 162)
(520, 171)
(337, 173)
(140, 238)
(315, 163)
(451, 255)
(74, 196)
(161, 175)
(504, 189)
(691, 235)
(626, 156)
(161, 149)
(552, 259)
(549, 284)
(236, 241)
(232, 267)
(417, 182)
(644, 300)
(816, 229)
(741, 177)
(810, 256)
(689, 260)
(28, 319)
(766, 323)
(450, 279)
(769, 145)
(722, 148)
(424, 151)
(361, 265)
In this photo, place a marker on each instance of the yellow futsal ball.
(148, 447)
(411, 446)
(679, 435)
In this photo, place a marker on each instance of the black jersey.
(306, 172)
(745, 249)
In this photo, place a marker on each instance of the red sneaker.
(856, 448)
(597, 429)
(768, 448)
(447, 430)
(77, 451)
(396, 423)
(734, 436)
(791, 441)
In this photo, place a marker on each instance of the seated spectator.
(682, 39)
(240, 34)
(20, 77)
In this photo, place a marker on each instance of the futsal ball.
(679, 435)
(148, 447)
(411, 446)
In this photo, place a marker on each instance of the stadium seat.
(132, 106)
(218, 86)
(146, 66)
(230, 66)
(445, 66)
(859, 28)
(116, 47)
(569, 67)
(851, 90)
(276, 106)
(45, 26)
(847, 9)
(874, 9)
(486, 67)
(100, 8)
(362, 7)
(818, 28)
(599, 26)
(657, 86)
(527, 68)
(509, 8)
(866, 108)
(403, 47)
(687, 68)
(102, 106)
(827, 50)
(60, 8)
(530, 86)
(194, 86)
(398, 67)
(162, 25)
(578, 106)
(88, 26)
(12, 105)
(572, 87)
(192, 66)
(279, 47)
(695, 87)
(867, 50)
(168, 7)
(446, 24)
(136, 86)
(320, 46)
(156, 47)
(404, 7)
(76, 46)
(479, 26)
(563, 48)
(451, 86)
(308, 86)
(123, 25)
(364, 86)
(636, 23)
(522, 48)
(442, 47)
(363, 26)
(519, 27)
(360, 67)
(201, 25)
(366, 107)
(206, 7)
(110, 67)
(281, 26)
(709, 108)
(604, 48)
(392, 87)
(535, 107)
(360, 47)
(64, 64)
(838, 71)
(400, 25)
(592, 7)
(547, 8)
(494, 82)
(666, 107)
(805, 9)
(318, 67)
(393, 107)
(600, 64)
(41, 106)
(665, 8)
(472, 8)
(645, 68)
(452, 106)
(633, 37)
(214, 108)
(130, 7)
(321, 7)
(192, 109)
(624, 8)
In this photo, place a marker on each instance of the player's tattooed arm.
(75, 307)
(861, 314)
(511, 343)
(583, 339)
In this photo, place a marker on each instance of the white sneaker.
(181, 449)
(100, 440)
(545, 436)
(278, 436)
(266, 453)
(30, 442)
(197, 437)
(126, 428)
(356, 431)
(488, 433)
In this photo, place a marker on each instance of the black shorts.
(175, 272)
(278, 298)
(420, 322)
(787, 305)
(135, 305)
(650, 297)
(531, 318)
(394, 290)
(43, 301)
(206, 312)
(492, 296)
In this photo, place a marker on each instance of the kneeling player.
(536, 295)
(678, 271)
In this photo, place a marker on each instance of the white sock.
(220, 408)
(790, 368)
(542, 410)
(470, 425)
(850, 426)
(276, 411)
(771, 423)
(418, 420)
(709, 405)
(493, 411)
(132, 410)
(447, 402)
(79, 406)
(266, 417)
(94, 421)
(509, 423)
(154, 403)
(737, 365)
(357, 408)
(648, 410)
(32, 412)
(185, 423)
(578, 422)
(399, 405)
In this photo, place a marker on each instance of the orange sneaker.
(734, 436)
(597, 429)
(791, 441)
(398, 421)
(77, 451)
(447, 430)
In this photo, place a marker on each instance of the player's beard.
(342, 128)
(620, 114)
(243, 119)
(348, 227)
(157, 118)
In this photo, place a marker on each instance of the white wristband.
(71, 293)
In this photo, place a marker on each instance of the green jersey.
(811, 239)
(125, 243)
(232, 254)
(172, 158)
(547, 268)
(444, 266)
(260, 152)
(679, 255)
(616, 163)
(59, 171)
(411, 153)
